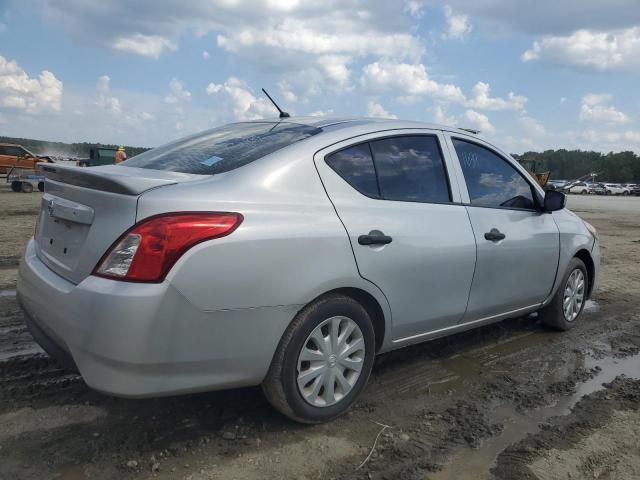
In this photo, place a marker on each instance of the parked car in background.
(615, 189)
(556, 184)
(15, 156)
(597, 189)
(581, 187)
(634, 188)
(277, 253)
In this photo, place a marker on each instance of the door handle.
(375, 237)
(494, 235)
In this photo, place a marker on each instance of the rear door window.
(491, 180)
(355, 166)
(223, 149)
(410, 168)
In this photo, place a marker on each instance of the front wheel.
(323, 361)
(565, 309)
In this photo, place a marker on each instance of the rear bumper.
(144, 340)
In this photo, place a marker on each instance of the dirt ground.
(512, 400)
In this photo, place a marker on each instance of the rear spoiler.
(111, 178)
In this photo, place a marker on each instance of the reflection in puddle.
(476, 464)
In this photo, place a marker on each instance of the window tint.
(355, 166)
(410, 169)
(222, 149)
(491, 180)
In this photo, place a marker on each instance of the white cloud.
(479, 120)
(595, 107)
(440, 116)
(321, 113)
(31, 95)
(532, 126)
(482, 99)
(334, 68)
(105, 99)
(590, 50)
(244, 103)
(407, 80)
(374, 109)
(414, 8)
(344, 33)
(287, 94)
(206, 55)
(177, 92)
(548, 16)
(318, 41)
(458, 26)
(146, 45)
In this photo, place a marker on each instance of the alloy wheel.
(574, 294)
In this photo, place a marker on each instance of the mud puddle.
(474, 464)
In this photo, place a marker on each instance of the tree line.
(621, 167)
(62, 149)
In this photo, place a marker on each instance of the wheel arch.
(370, 303)
(584, 255)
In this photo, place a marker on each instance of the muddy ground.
(512, 400)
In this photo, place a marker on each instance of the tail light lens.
(150, 248)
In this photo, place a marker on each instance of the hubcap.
(330, 361)
(573, 295)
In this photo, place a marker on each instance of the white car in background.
(615, 189)
(581, 188)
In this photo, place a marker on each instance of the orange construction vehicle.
(12, 156)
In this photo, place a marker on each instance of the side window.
(491, 180)
(14, 151)
(4, 150)
(355, 166)
(411, 169)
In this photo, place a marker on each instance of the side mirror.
(554, 200)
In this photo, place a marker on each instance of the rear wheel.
(323, 361)
(16, 186)
(565, 309)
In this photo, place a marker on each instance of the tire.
(553, 315)
(16, 186)
(280, 386)
(27, 187)
(41, 186)
(583, 192)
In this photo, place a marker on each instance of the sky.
(529, 75)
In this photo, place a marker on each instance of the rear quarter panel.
(289, 249)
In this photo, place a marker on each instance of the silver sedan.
(289, 254)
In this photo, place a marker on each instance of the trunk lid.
(84, 210)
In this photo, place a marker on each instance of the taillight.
(150, 248)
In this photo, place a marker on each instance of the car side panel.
(289, 249)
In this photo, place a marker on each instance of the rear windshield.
(222, 149)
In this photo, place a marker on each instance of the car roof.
(335, 123)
